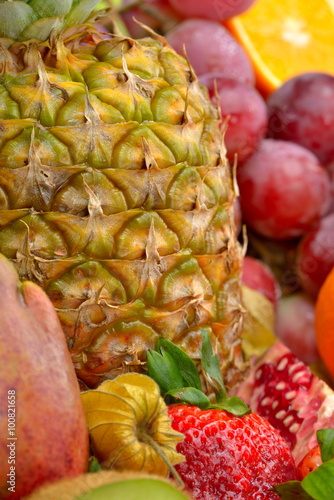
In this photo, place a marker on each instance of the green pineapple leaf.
(326, 440)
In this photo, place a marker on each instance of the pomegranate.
(284, 390)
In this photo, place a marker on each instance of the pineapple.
(115, 194)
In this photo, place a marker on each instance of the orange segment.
(286, 37)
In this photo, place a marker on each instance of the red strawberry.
(230, 457)
(310, 462)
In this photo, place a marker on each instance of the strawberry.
(310, 462)
(230, 457)
(230, 452)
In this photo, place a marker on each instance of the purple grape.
(283, 190)
(246, 112)
(302, 111)
(211, 49)
(211, 9)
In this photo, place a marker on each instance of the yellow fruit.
(129, 425)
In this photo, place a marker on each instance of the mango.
(43, 430)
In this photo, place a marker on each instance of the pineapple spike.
(135, 83)
(43, 79)
(244, 240)
(155, 35)
(234, 176)
(193, 77)
(153, 267)
(83, 317)
(30, 55)
(217, 101)
(91, 114)
(7, 64)
(222, 152)
(186, 116)
(26, 260)
(150, 161)
(118, 29)
(151, 250)
(34, 166)
(94, 204)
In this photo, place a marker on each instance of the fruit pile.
(166, 210)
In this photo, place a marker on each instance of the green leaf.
(319, 483)
(292, 490)
(163, 369)
(14, 18)
(211, 368)
(191, 396)
(185, 364)
(80, 12)
(50, 8)
(94, 465)
(234, 405)
(326, 440)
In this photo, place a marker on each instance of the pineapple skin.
(116, 198)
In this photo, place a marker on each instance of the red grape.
(247, 114)
(283, 190)
(315, 255)
(157, 14)
(211, 9)
(258, 276)
(295, 326)
(330, 171)
(211, 49)
(302, 111)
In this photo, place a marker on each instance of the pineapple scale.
(116, 197)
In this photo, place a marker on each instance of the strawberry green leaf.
(191, 396)
(319, 483)
(184, 363)
(326, 440)
(233, 405)
(292, 490)
(163, 369)
(211, 368)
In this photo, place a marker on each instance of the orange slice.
(286, 37)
